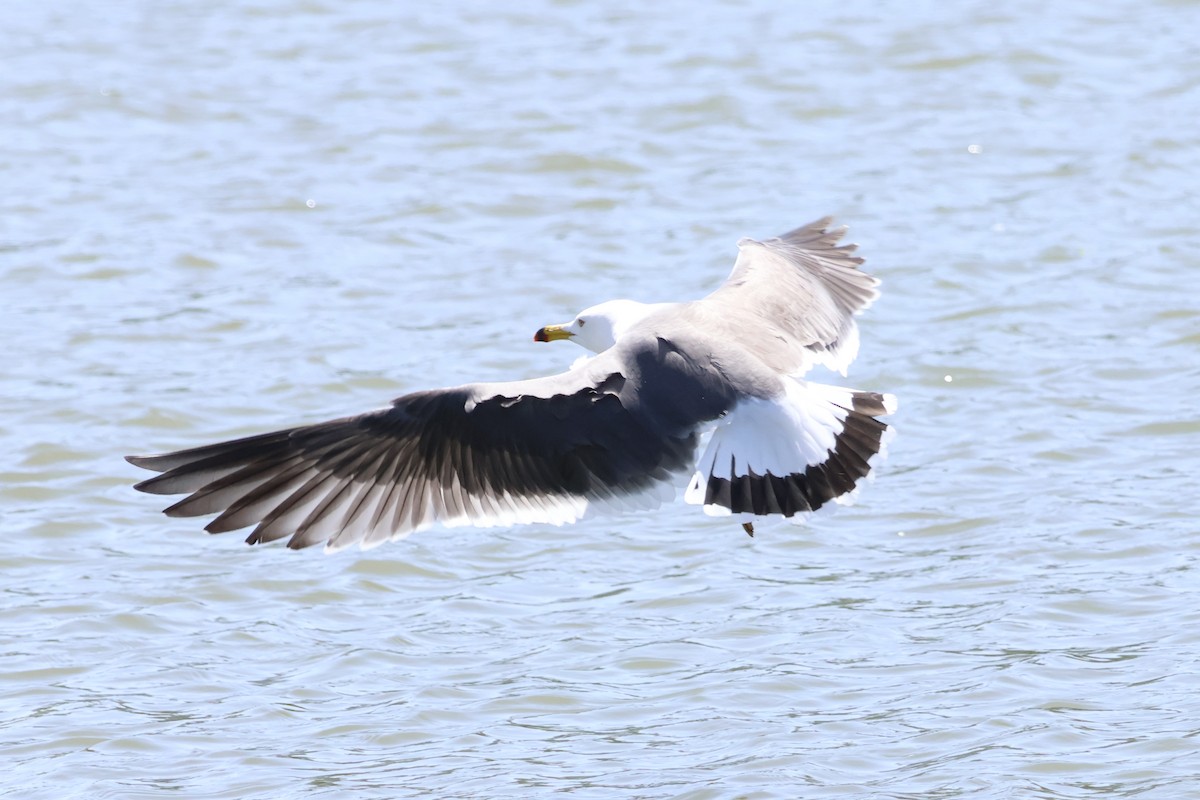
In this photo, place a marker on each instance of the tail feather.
(793, 454)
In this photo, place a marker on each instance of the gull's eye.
(582, 322)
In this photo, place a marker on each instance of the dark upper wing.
(799, 293)
(527, 451)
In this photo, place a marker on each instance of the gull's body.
(620, 428)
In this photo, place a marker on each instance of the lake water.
(219, 219)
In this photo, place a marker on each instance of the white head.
(599, 327)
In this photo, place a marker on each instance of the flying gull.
(617, 429)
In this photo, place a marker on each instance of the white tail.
(792, 454)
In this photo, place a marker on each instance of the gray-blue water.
(219, 219)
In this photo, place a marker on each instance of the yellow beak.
(552, 333)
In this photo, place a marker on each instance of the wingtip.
(149, 486)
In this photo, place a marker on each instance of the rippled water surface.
(219, 219)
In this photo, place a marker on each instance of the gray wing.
(792, 299)
(486, 454)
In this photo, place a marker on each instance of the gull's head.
(599, 327)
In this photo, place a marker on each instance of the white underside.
(840, 358)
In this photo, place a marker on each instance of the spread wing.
(799, 292)
(542, 450)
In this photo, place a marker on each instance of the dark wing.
(527, 451)
(797, 296)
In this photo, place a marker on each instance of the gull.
(711, 388)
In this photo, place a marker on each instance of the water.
(221, 220)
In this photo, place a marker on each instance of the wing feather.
(796, 295)
(483, 454)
